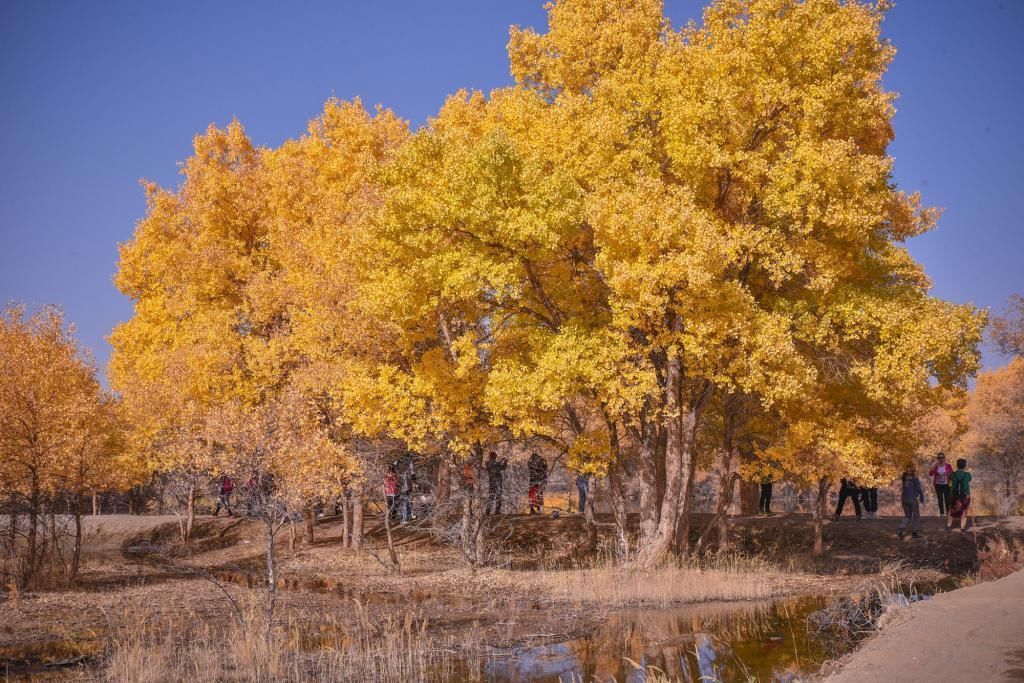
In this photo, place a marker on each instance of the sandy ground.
(972, 634)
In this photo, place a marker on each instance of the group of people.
(255, 488)
(952, 496)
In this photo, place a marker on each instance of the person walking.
(224, 490)
(940, 473)
(495, 482)
(764, 503)
(848, 489)
(869, 501)
(582, 487)
(960, 496)
(391, 492)
(538, 473)
(911, 497)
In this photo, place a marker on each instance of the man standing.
(940, 473)
(495, 482)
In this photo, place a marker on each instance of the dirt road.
(972, 634)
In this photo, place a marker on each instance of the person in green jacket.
(960, 497)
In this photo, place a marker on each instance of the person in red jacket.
(391, 492)
(224, 490)
(940, 473)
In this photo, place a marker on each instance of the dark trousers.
(494, 497)
(853, 495)
(764, 503)
(869, 499)
(224, 501)
(942, 495)
(392, 508)
(911, 515)
(581, 488)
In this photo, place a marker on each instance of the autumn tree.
(1008, 329)
(743, 217)
(56, 435)
(995, 416)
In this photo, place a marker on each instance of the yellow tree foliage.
(57, 430)
(649, 225)
(995, 418)
(1008, 329)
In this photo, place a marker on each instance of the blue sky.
(95, 96)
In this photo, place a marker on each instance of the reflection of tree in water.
(716, 641)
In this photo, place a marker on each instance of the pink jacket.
(940, 474)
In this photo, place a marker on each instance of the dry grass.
(696, 580)
(311, 647)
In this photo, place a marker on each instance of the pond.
(764, 641)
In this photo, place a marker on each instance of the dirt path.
(971, 634)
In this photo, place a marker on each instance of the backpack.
(959, 484)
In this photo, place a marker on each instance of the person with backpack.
(940, 473)
(960, 496)
(848, 489)
(911, 496)
(495, 482)
(224, 490)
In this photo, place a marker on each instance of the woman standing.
(911, 496)
(960, 496)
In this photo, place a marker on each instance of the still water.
(762, 641)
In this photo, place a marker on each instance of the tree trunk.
(650, 505)
(473, 533)
(819, 516)
(95, 503)
(271, 571)
(443, 491)
(686, 506)
(33, 524)
(77, 555)
(724, 503)
(657, 550)
(619, 509)
(588, 514)
(357, 519)
(190, 518)
(346, 523)
(309, 515)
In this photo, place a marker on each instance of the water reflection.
(765, 641)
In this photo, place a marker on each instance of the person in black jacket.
(848, 489)
(495, 482)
